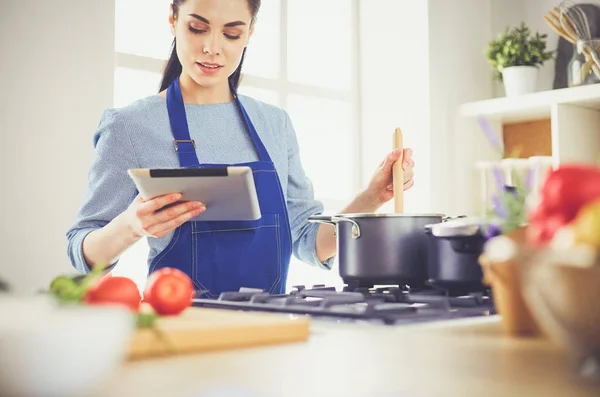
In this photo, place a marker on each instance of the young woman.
(197, 119)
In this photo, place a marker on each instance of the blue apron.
(226, 256)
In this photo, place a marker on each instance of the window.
(323, 125)
(134, 84)
(319, 37)
(142, 28)
(263, 52)
(302, 57)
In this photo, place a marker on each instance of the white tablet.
(229, 193)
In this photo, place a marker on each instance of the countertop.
(453, 358)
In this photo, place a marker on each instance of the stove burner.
(427, 295)
(389, 305)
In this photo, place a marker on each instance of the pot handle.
(321, 219)
(324, 219)
(355, 227)
(450, 218)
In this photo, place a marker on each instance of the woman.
(197, 119)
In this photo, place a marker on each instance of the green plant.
(508, 211)
(508, 206)
(517, 46)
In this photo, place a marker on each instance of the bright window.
(262, 94)
(262, 54)
(142, 28)
(319, 43)
(324, 128)
(301, 58)
(134, 84)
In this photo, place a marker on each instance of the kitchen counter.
(461, 358)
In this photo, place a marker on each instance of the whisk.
(570, 22)
(579, 22)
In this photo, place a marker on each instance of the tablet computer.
(229, 193)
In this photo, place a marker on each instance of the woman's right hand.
(151, 219)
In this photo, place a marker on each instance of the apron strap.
(258, 145)
(184, 145)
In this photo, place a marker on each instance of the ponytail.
(173, 70)
(234, 79)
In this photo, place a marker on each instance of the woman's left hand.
(381, 188)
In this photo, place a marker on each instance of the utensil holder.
(584, 67)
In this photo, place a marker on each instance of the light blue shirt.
(139, 136)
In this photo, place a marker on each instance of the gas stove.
(386, 305)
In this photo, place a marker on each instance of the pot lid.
(457, 227)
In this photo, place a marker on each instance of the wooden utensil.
(398, 175)
(563, 25)
(198, 330)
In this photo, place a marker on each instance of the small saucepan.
(453, 249)
(381, 249)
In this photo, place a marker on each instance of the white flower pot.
(519, 80)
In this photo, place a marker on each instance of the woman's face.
(211, 36)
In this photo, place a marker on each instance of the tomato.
(114, 290)
(169, 291)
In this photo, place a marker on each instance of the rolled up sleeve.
(109, 190)
(302, 204)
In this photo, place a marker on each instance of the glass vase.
(584, 67)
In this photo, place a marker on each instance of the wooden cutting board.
(203, 329)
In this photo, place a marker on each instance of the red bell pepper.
(570, 187)
(565, 191)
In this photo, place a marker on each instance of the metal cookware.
(453, 249)
(381, 249)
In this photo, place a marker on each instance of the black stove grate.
(389, 304)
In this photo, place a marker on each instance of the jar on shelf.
(584, 67)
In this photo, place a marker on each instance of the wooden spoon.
(398, 175)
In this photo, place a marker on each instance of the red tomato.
(169, 291)
(114, 290)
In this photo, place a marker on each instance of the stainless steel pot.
(381, 249)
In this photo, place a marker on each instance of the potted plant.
(515, 56)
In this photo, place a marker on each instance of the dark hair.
(173, 66)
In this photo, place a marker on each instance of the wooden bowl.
(565, 301)
(502, 266)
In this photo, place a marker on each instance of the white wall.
(458, 72)
(534, 17)
(504, 13)
(395, 89)
(419, 61)
(56, 78)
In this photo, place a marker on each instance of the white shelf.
(574, 115)
(533, 106)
